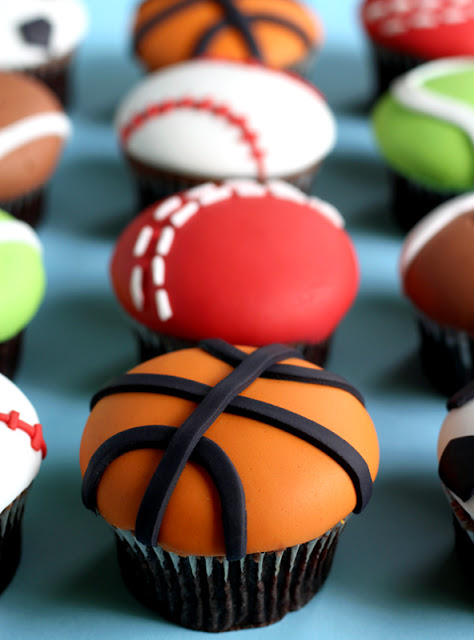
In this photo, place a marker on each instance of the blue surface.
(395, 575)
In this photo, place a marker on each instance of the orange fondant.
(294, 492)
(173, 40)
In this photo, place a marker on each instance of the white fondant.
(136, 287)
(393, 27)
(13, 136)
(165, 241)
(19, 462)
(18, 231)
(158, 271)
(328, 211)
(198, 192)
(457, 424)
(163, 305)
(287, 191)
(187, 211)
(212, 196)
(69, 22)
(293, 125)
(432, 224)
(247, 188)
(167, 207)
(143, 241)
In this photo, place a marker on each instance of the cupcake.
(22, 448)
(425, 130)
(22, 285)
(437, 266)
(283, 33)
(456, 462)
(216, 526)
(218, 119)
(407, 33)
(40, 38)
(33, 128)
(242, 261)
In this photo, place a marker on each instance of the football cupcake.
(227, 475)
(246, 262)
(41, 38)
(407, 33)
(282, 33)
(424, 127)
(218, 119)
(33, 128)
(22, 449)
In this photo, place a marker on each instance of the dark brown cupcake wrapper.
(55, 74)
(464, 533)
(213, 594)
(29, 208)
(10, 353)
(389, 65)
(10, 539)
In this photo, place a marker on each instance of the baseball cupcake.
(41, 38)
(227, 475)
(424, 127)
(22, 449)
(246, 262)
(407, 33)
(218, 119)
(282, 33)
(33, 129)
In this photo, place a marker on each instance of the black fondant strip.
(456, 467)
(185, 439)
(233, 19)
(232, 355)
(207, 453)
(161, 16)
(461, 397)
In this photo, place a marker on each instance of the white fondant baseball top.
(33, 32)
(221, 119)
(21, 442)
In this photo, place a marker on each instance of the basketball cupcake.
(227, 475)
(218, 119)
(22, 449)
(246, 262)
(424, 127)
(282, 33)
(407, 33)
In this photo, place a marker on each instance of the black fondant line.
(461, 397)
(456, 467)
(161, 16)
(185, 439)
(207, 453)
(238, 21)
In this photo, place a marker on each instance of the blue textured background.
(394, 574)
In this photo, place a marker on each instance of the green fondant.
(424, 149)
(22, 284)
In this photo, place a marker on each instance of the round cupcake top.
(33, 128)
(425, 124)
(222, 119)
(279, 33)
(22, 446)
(456, 448)
(34, 32)
(225, 450)
(22, 275)
(246, 262)
(426, 29)
(437, 264)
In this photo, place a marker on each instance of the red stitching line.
(206, 104)
(12, 420)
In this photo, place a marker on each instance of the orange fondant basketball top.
(280, 33)
(224, 450)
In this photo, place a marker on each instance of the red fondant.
(251, 270)
(12, 420)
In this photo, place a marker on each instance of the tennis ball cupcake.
(41, 38)
(247, 262)
(208, 119)
(456, 463)
(407, 33)
(227, 474)
(22, 449)
(22, 285)
(282, 33)
(424, 127)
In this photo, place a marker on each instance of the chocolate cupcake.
(22, 449)
(407, 33)
(283, 33)
(217, 119)
(33, 128)
(241, 468)
(246, 262)
(41, 38)
(424, 127)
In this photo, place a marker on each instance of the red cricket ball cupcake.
(247, 262)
